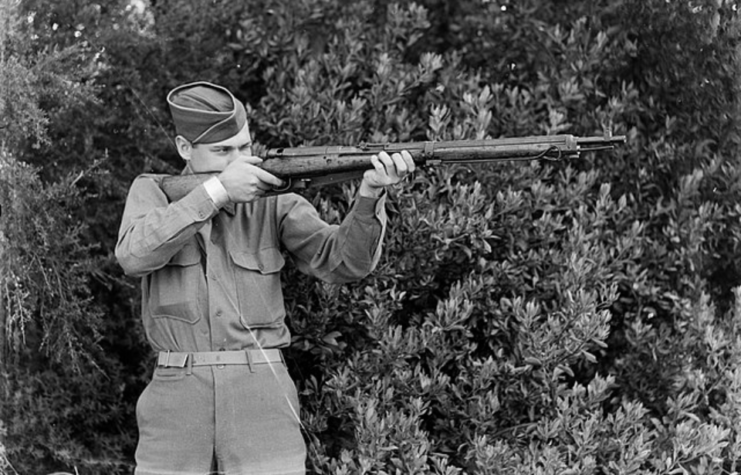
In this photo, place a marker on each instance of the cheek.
(196, 163)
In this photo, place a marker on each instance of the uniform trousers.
(236, 418)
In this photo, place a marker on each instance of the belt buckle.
(218, 358)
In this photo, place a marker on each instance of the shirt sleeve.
(334, 253)
(153, 230)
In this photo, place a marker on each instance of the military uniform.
(212, 309)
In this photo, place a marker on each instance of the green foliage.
(500, 304)
(44, 269)
(55, 377)
(541, 318)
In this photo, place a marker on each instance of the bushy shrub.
(58, 403)
(55, 375)
(525, 319)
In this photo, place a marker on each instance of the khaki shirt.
(210, 277)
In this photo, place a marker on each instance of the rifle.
(303, 167)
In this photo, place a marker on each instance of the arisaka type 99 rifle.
(304, 167)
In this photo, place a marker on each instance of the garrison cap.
(205, 113)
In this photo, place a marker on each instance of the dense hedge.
(575, 317)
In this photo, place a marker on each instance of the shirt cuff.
(216, 191)
(368, 207)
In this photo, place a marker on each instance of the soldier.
(221, 400)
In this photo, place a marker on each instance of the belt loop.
(167, 360)
(249, 360)
(189, 364)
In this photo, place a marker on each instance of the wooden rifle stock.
(302, 167)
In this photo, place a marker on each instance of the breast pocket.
(175, 288)
(257, 280)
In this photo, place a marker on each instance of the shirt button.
(261, 267)
(218, 313)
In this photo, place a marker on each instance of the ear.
(185, 148)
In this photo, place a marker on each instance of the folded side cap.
(205, 112)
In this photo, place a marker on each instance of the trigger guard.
(289, 184)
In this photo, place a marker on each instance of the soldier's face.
(214, 157)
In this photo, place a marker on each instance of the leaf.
(331, 338)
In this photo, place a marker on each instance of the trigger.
(283, 189)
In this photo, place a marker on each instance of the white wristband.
(216, 191)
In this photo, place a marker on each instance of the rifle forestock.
(302, 167)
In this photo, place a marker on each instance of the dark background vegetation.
(571, 318)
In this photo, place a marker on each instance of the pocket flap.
(264, 261)
(187, 256)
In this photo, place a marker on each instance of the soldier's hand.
(387, 170)
(245, 182)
